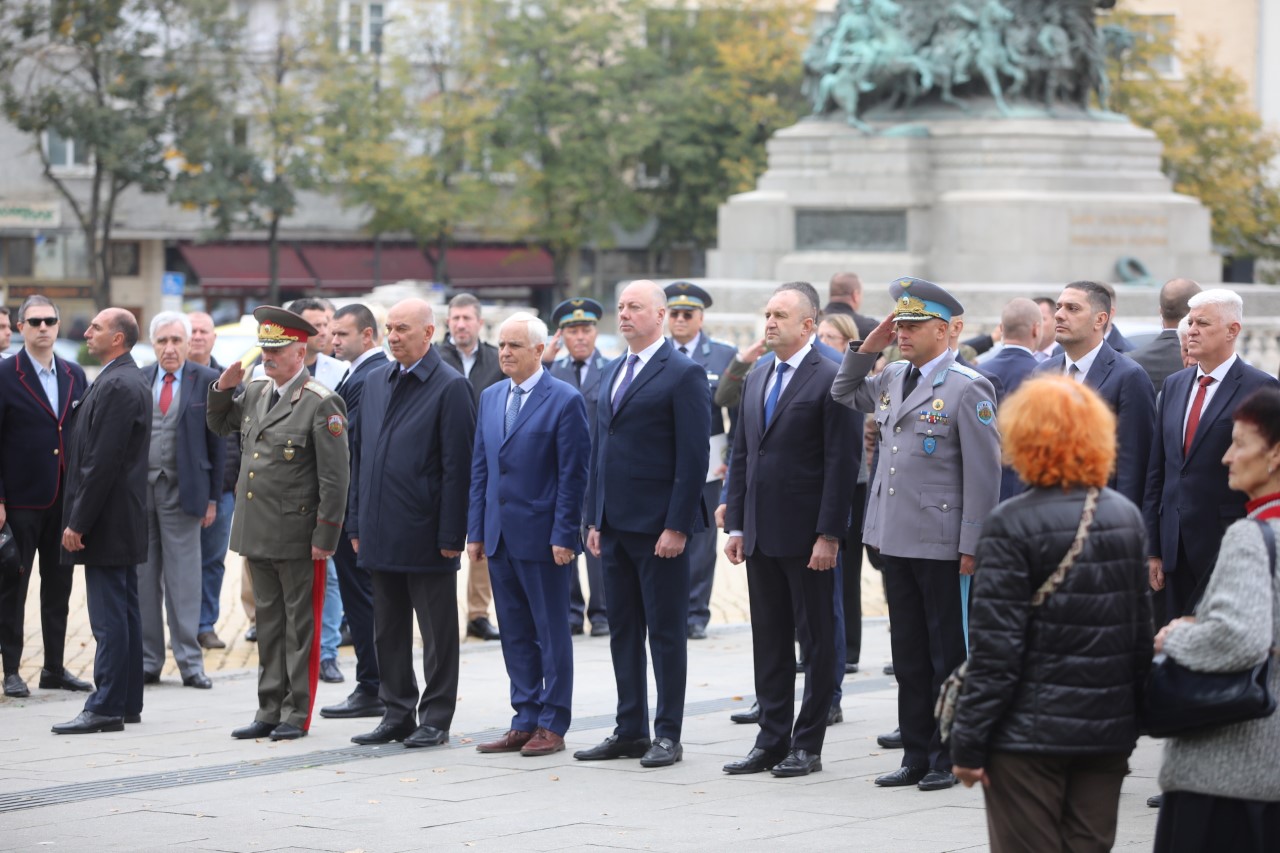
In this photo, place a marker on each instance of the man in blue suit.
(582, 367)
(528, 479)
(1084, 310)
(686, 306)
(356, 341)
(184, 484)
(37, 393)
(1021, 324)
(1188, 504)
(788, 508)
(644, 501)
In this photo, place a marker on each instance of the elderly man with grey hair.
(184, 483)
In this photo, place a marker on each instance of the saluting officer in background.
(581, 366)
(686, 306)
(937, 479)
(290, 502)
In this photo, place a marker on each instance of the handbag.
(1178, 700)
(944, 710)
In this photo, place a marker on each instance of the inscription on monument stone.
(1119, 230)
(851, 230)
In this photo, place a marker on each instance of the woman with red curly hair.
(1058, 645)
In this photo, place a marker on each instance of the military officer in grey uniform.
(581, 366)
(937, 479)
(686, 307)
(290, 501)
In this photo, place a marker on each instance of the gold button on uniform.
(249, 496)
(250, 475)
(255, 455)
(55, 451)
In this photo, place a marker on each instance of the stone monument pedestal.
(964, 200)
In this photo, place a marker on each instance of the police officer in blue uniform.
(581, 366)
(686, 307)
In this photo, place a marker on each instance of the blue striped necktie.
(513, 409)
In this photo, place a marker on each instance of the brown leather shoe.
(544, 742)
(512, 741)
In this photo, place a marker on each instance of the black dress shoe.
(358, 704)
(850, 668)
(344, 635)
(386, 733)
(210, 640)
(892, 740)
(483, 629)
(750, 716)
(253, 731)
(427, 736)
(937, 780)
(63, 681)
(835, 715)
(600, 629)
(329, 672)
(198, 680)
(150, 678)
(87, 723)
(575, 630)
(799, 762)
(757, 761)
(132, 719)
(15, 687)
(662, 753)
(697, 632)
(1156, 801)
(888, 669)
(287, 731)
(902, 777)
(615, 747)
(252, 634)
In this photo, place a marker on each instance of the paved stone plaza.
(179, 781)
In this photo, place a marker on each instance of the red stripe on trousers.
(318, 572)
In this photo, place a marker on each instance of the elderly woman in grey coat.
(1222, 786)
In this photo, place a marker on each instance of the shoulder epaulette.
(317, 388)
(965, 371)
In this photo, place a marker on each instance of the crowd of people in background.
(1049, 517)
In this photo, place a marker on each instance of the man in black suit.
(1163, 356)
(788, 506)
(1021, 323)
(184, 483)
(356, 340)
(37, 390)
(582, 366)
(1084, 312)
(407, 519)
(1188, 504)
(478, 361)
(644, 499)
(105, 522)
(845, 297)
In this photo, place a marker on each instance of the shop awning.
(234, 268)
(348, 267)
(498, 266)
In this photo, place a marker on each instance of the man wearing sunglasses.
(686, 304)
(36, 392)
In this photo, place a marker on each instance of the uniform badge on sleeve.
(986, 412)
(336, 425)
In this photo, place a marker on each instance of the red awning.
(233, 268)
(349, 267)
(498, 266)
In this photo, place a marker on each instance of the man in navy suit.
(1084, 310)
(1162, 357)
(105, 521)
(686, 311)
(644, 501)
(37, 392)
(582, 366)
(1188, 504)
(407, 520)
(1021, 323)
(356, 340)
(528, 480)
(788, 508)
(184, 480)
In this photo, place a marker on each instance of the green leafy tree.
(122, 80)
(1216, 147)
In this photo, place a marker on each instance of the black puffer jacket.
(1063, 678)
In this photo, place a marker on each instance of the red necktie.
(166, 394)
(1193, 420)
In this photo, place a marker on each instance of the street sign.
(173, 284)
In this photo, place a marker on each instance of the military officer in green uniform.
(290, 501)
(937, 478)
